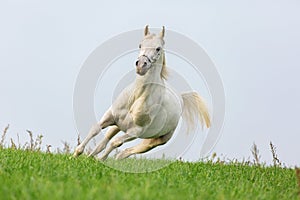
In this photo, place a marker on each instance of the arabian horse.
(147, 109)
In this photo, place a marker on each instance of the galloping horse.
(147, 109)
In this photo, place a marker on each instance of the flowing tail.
(194, 110)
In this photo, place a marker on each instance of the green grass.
(35, 175)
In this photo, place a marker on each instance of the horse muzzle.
(142, 65)
(141, 71)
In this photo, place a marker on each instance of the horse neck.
(150, 82)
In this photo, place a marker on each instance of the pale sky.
(255, 47)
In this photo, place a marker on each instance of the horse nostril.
(137, 63)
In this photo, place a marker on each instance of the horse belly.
(161, 125)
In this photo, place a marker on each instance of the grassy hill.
(35, 175)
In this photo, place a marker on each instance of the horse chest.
(148, 115)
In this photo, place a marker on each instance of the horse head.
(151, 52)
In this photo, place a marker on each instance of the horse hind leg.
(105, 121)
(116, 142)
(144, 146)
(111, 132)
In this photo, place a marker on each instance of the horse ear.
(146, 30)
(162, 33)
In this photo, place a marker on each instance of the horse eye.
(158, 49)
(140, 46)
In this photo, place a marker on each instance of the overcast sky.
(255, 47)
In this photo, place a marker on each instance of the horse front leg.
(111, 132)
(105, 121)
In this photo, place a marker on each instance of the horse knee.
(116, 143)
(95, 129)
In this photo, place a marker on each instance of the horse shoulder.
(139, 112)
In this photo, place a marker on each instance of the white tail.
(194, 110)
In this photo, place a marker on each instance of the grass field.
(35, 175)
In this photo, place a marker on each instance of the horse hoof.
(78, 152)
(102, 158)
(91, 156)
(75, 154)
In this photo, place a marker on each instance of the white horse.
(147, 109)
